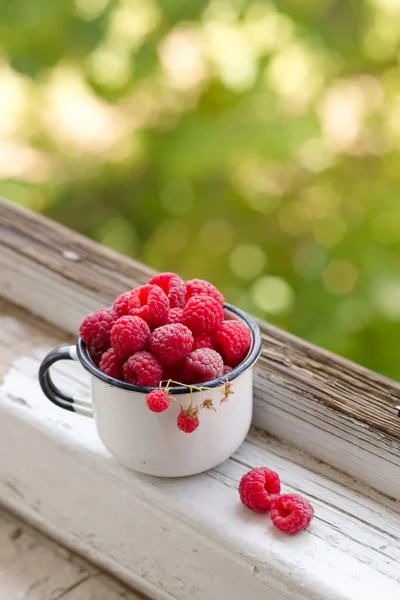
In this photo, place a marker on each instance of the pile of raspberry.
(168, 329)
(260, 491)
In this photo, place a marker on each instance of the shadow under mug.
(151, 442)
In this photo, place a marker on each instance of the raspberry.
(173, 286)
(291, 513)
(202, 341)
(173, 372)
(125, 302)
(95, 355)
(154, 305)
(188, 420)
(174, 315)
(258, 487)
(227, 369)
(202, 365)
(202, 314)
(157, 400)
(143, 369)
(232, 340)
(95, 328)
(128, 335)
(147, 302)
(112, 364)
(199, 287)
(171, 343)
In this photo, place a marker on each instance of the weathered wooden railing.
(188, 538)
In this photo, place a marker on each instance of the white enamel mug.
(151, 442)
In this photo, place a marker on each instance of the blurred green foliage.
(249, 143)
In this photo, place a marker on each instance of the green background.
(249, 143)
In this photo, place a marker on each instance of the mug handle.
(53, 393)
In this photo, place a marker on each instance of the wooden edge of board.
(338, 411)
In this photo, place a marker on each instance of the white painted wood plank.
(33, 568)
(190, 539)
(347, 444)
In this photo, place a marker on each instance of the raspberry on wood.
(173, 286)
(202, 314)
(143, 369)
(129, 335)
(171, 343)
(199, 287)
(157, 401)
(258, 487)
(291, 513)
(111, 364)
(232, 340)
(95, 328)
(202, 365)
(188, 419)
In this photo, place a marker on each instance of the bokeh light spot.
(315, 155)
(329, 231)
(340, 277)
(386, 297)
(247, 261)
(90, 9)
(273, 295)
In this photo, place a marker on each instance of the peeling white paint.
(190, 539)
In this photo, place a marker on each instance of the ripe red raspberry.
(173, 286)
(171, 343)
(227, 369)
(125, 302)
(199, 287)
(95, 355)
(174, 315)
(129, 335)
(291, 513)
(188, 420)
(232, 340)
(157, 400)
(147, 302)
(258, 487)
(143, 369)
(95, 328)
(154, 305)
(112, 364)
(202, 365)
(202, 314)
(173, 372)
(202, 341)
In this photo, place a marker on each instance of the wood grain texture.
(186, 539)
(328, 406)
(34, 568)
(320, 375)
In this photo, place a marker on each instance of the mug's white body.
(152, 443)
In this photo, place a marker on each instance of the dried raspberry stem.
(187, 385)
